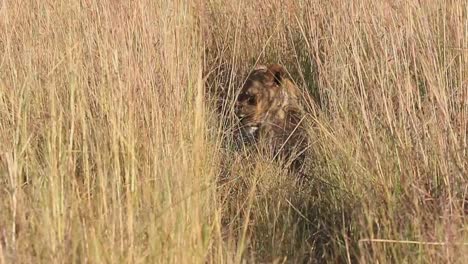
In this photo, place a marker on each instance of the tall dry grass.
(116, 132)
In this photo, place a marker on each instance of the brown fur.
(270, 113)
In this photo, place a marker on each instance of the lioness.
(271, 114)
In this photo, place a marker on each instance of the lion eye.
(242, 97)
(252, 100)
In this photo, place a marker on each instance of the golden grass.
(116, 132)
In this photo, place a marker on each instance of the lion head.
(267, 102)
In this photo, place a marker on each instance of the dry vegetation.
(116, 123)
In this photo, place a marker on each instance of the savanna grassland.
(116, 132)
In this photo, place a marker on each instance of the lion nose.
(237, 110)
(239, 114)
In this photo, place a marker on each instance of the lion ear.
(260, 67)
(278, 71)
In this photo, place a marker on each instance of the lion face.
(263, 99)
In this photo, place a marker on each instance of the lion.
(271, 114)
